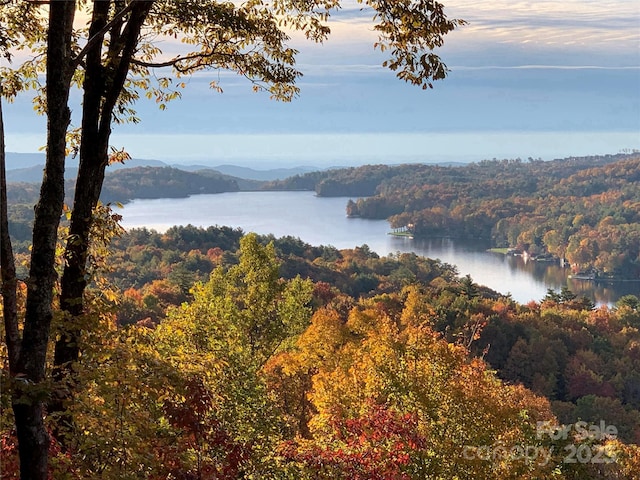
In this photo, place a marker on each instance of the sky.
(541, 79)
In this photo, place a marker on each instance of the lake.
(322, 221)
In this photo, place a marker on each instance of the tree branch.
(98, 36)
(169, 63)
(174, 62)
(130, 35)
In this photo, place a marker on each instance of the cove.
(323, 221)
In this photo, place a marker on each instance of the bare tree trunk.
(27, 402)
(74, 281)
(102, 87)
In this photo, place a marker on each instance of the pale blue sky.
(542, 79)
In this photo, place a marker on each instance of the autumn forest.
(214, 353)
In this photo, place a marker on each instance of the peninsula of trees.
(585, 210)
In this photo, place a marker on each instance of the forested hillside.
(585, 210)
(560, 347)
(127, 184)
(166, 182)
(209, 353)
(122, 186)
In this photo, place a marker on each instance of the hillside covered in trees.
(126, 184)
(585, 210)
(210, 353)
(122, 186)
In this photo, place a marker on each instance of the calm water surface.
(322, 221)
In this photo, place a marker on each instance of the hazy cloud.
(573, 27)
(537, 66)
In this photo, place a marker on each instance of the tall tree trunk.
(27, 401)
(102, 87)
(74, 279)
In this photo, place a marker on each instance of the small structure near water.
(404, 231)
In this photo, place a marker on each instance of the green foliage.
(153, 264)
(250, 302)
(250, 39)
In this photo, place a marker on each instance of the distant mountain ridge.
(262, 175)
(16, 160)
(27, 167)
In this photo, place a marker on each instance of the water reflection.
(604, 293)
(322, 221)
(525, 279)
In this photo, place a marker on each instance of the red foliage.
(9, 461)
(203, 432)
(379, 445)
(585, 382)
(60, 464)
(215, 254)
(323, 292)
